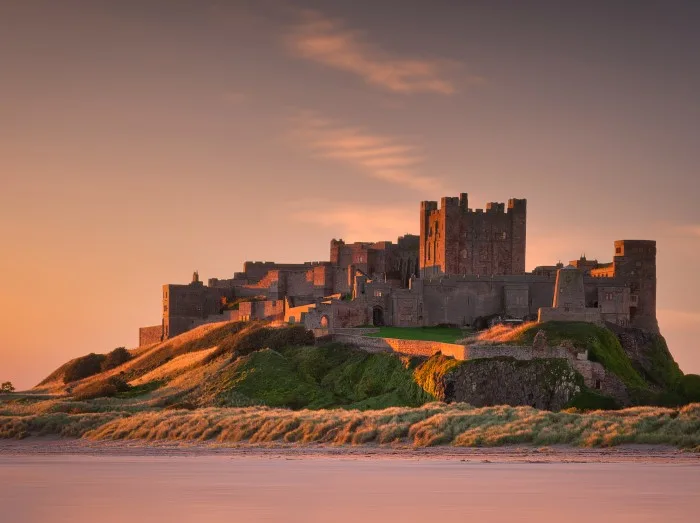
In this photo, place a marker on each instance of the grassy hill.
(236, 364)
(241, 369)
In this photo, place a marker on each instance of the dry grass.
(432, 424)
(144, 359)
(173, 367)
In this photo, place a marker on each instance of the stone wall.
(150, 335)
(409, 347)
(563, 314)
(357, 331)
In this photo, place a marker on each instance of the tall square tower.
(456, 240)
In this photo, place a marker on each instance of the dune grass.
(431, 424)
(443, 334)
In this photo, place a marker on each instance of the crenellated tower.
(456, 240)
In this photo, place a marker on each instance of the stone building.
(272, 289)
(458, 241)
(184, 306)
(392, 261)
(569, 302)
(467, 267)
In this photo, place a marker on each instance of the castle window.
(618, 250)
(377, 294)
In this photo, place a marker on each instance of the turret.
(635, 263)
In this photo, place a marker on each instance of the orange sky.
(140, 142)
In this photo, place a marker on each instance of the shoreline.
(52, 446)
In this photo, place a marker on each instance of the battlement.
(635, 248)
(461, 202)
(517, 205)
(458, 240)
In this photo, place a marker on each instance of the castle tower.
(635, 263)
(569, 292)
(517, 212)
(427, 240)
(569, 303)
(456, 240)
(336, 246)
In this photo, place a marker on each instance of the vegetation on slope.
(652, 359)
(601, 343)
(690, 387)
(252, 364)
(314, 377)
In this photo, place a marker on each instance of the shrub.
(590, 400)
(256, 336)
(690, 387)
(116, 358)
(83, 367)
(7, 387)
(101, 389)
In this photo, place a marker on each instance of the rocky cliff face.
(650, 357)
(541, 383)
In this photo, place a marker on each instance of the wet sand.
(510, 454)
(81, 482)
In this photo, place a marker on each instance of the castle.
(467, 267)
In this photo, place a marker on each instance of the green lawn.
(444, 334)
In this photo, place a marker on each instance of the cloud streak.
(385, 158)
(328, 42)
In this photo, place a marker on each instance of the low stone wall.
(358, 331)
(150, 335)
(519, 352)
(409, 347)
(589, 315)
(522, 352)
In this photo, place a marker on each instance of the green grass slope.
(601, 343)
(313, 377)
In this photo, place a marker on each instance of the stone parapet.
(409, 347)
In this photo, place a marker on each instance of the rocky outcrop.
(650, 357)
(541, 383)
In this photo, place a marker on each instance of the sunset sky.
(141, 140)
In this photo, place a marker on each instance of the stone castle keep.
(466, 268)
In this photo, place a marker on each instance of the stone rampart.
(357, 331)
(519, 352)
(150, 335)
(409, 347)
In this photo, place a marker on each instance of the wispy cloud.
(386, 158)
(358, 221)
(327, 41)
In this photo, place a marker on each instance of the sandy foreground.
(505, 454)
